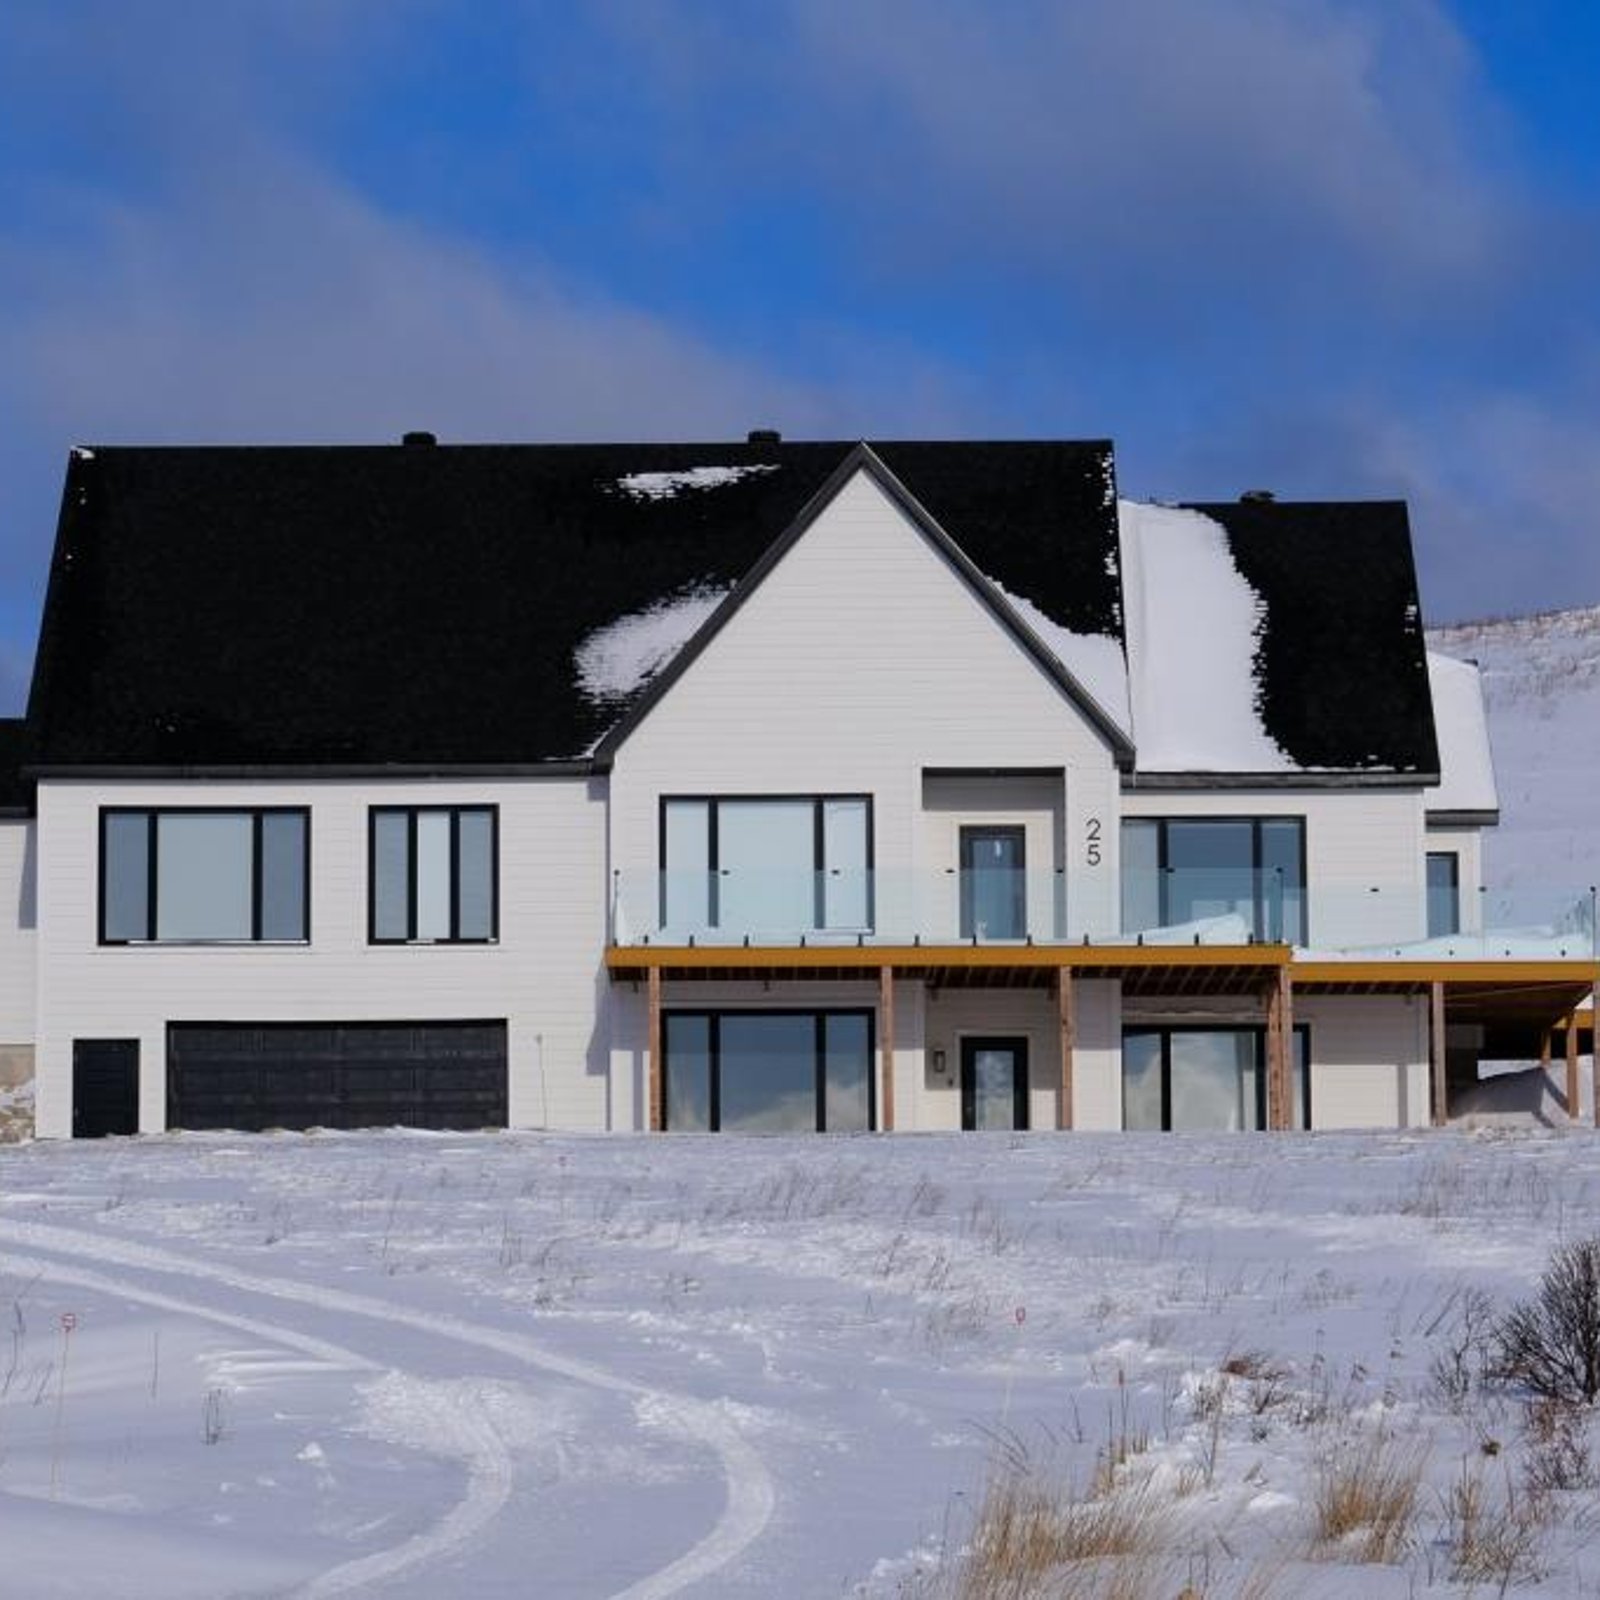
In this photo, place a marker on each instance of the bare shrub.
(1551, 1343)
(1496, 1541)
(1462, 1354)
(1266, 1377)
(1558, 1457)
(1366, 1499)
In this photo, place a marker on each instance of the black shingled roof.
(420, 606)
(16, 794)
(1340, 657)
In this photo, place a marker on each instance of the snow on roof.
(615, 660)
(1094, 660)
(1191, 630)
(665, 485)
(1465, 764)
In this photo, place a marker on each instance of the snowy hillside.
(1541, 679)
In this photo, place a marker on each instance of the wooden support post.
(1436, 1058)
(886, 1044)
(1066, 1024)
(1572, 1067)
(1280, 1034)
(1544, 1047)
(656, 1108)
(1594, 1063)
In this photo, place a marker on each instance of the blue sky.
(1331, 247)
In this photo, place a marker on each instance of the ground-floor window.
(1201, 1079)
(768, 1071)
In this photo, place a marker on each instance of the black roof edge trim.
(1464, 819)
(994, 772)
(863, 458)
(317, 770)
(16, 813)
(1198, 782)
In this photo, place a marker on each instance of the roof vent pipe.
(1257, 497)
(419, 439)
(764, 436)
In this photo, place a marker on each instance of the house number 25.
(1091, 844)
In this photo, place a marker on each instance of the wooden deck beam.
(1280, 1037)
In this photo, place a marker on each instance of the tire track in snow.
(490, 1472)
(750, 1494)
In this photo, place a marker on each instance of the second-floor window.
(1444, 893)
(204, 875)
(1177, 870)
(433, 874)
(758, 864)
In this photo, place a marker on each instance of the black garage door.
(336, 1075)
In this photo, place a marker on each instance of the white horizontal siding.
(544, 976)
(861, 660)
(17, 932)
(1369, 1060)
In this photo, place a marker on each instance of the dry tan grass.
(1034, 1535)
(1366, 1499)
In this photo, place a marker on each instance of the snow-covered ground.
(515, 1364)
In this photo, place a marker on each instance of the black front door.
(993, 886)
(994, 1084)
(105, 1087)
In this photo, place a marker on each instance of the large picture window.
(1192, 869)
(767, 864)
(1207, 1079)
(434, 874)
(768, 1071)
(204, 876)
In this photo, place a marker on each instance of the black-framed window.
(767, 863)
(1190, 869)
(1195, 1079)
(994, 883)
(205, 874)
(434, 874)
(768, 1071)
(1444, 893)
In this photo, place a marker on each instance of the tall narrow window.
(433, 874)
(1444, 894)
(994, 893)
(203, 876)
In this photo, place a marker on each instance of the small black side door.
(994, 1084)
(105, 1087)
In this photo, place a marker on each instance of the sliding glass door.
(768, 1071)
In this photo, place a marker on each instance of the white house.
(776, 785)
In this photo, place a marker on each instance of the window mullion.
(411, 875)
(152, 843)
(455, 874)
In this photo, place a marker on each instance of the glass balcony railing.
(1189, 907)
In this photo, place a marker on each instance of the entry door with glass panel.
(994, 1084)
(994, 899)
